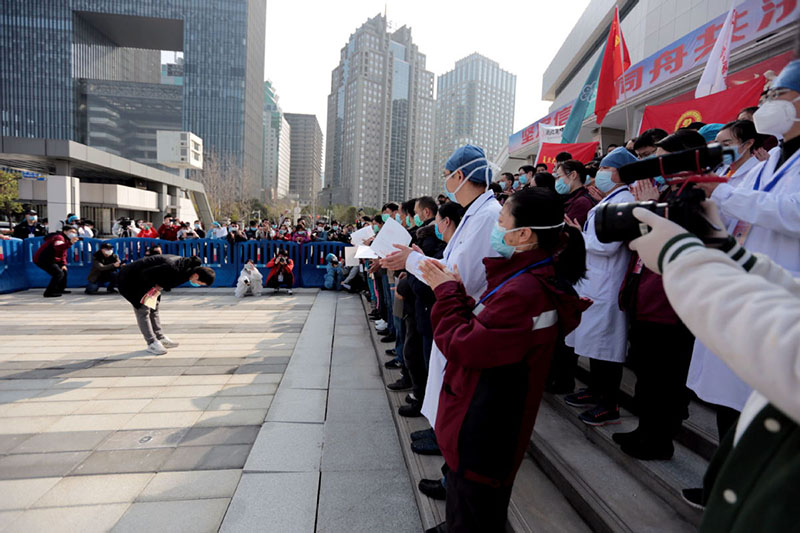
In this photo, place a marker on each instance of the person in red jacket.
(282, 273)
(52, 258)
(498, 353)
(168, 231)
(148, 231)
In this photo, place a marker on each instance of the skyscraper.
(277, 147)
(380, 119)
(306, 159)
(474, 105)
(56, 54)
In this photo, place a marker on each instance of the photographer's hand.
(649, 246)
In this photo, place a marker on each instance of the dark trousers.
(288, 281)
(475, 507)
(379, 294)
(94, 286)
(414, 358)
(58, 278)
(605, 377)
(561, 379)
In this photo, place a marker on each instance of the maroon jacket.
(168, 232)
(642, 295)
(578, 204)
(53, 250)
(498, 356)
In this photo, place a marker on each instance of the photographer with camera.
(104, 270)
(746, 309)
(281, 273)
(124, 228)
(602, 335)
(168, 231)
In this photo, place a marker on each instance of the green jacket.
(755, 486)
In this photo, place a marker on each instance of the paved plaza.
(270, 416)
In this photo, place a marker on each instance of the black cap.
(67, 227)
(106, 246)
(31, 212)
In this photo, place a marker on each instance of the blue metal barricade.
(215, 253)
(79, 262)
(12, 266)
(312, 265)
(129, 249)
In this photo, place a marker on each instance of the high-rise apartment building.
(380, 119)
(474, 105)
(277, 148)
(57, 57)
(306, 158)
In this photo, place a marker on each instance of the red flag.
(616, 61)
(721, 107)
(583, 152)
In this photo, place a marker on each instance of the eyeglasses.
(775, 94)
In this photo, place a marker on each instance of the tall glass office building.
(51, 53)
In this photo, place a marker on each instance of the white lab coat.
(469, 245)
(603, 331)
(249, 282)
(775, 233)
(217, 233)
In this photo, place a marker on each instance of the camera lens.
(615, 222)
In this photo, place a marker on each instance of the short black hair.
(649, 138)
(252, 222)
(495, 187)
(542, 165)
(544, 179)
(205, 275)
(695, 126)
(527, 168)
(612, 145)
(408, 207)
(508, 175)
(748, 110)
(563, 156)
(574, 165)
(742, 130)
(427, 202)
(391, 206)
(452, 210)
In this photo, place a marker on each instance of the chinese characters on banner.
(531, 133)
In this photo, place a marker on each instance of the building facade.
(305, 169)
(277, 148)
(50, 50)
(474, 105)
(381, 112)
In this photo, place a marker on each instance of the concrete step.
(609, 497)
(698, 432)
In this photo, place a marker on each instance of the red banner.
(721, 107)
(583, 152)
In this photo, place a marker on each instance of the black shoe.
(374, 315)
(627, 437)
(425, 447)
(90, 292)
(423, 434)
(410, 398)
(394, 364)
(648, 451)
(439, 528)
(581, 398)
(402, 384)
(559, 388)
(693, 497)
(432, 488)
(111, 291)
(411, 410)
(66, 292)
(52, 295)
(391, 352)
(600, 416)
(385, 332)
(389, 338)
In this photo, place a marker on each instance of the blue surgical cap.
(789, 78)
(476, 157)
(709, 131)
(618, 158)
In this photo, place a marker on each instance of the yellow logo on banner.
(687, 118)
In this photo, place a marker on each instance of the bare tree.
(226, 186)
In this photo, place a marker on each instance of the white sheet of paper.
(350, 256)
(357, 238)
(390, 234)
(365, 252)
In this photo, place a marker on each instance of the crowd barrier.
(18, 272)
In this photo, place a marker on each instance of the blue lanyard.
(781, 172)
(519, 273)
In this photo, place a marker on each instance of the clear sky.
(304, 40)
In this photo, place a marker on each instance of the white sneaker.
(381, 324)
(156, 347)
(168, 343)
(290, 291)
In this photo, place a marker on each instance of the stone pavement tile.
(123, 393)
(312, 376)
(188, 391)
(86, 519)
(31, 465)
(247, 379)
(162, 420)
(90, 422)
(28, 424)
(99, 407)
(358, 356)
(144, 439)
(172, 361)
(68, 441)
(356, 377)
(209, 436)
(93, 383)
(180, 516)
(298, 405)
(202, 380)
(21, 493)
(356, 502)
(240, 417)
(191, 485)
(39, 408)
(26, 384)
(93, 490)
(123, 461)
(247, 390)
(16, 395)
(361, 446)
(267, 360)
(286, 447)
(285, 501)
(9, 442)
(257, 368)
(208, 370)
(228, 403)
(207, 457)
(358, 405)
(145, 381)
(220, 361)
(166, 405)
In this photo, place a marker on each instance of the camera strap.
(517, 274)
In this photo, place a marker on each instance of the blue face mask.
(385, 217)
(193, 284)
(561, 186)
(408, 220)
(399, 219)
(499, 242)
(376, 228)
(660, 182)
(438, 233)
(504, 185)
(523, 179)
(417, 220)
(603, 180)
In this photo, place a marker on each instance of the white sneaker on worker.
(156, 347)
(168, 343)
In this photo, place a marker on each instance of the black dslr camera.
(615, 222)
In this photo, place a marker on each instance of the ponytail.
(570, 259)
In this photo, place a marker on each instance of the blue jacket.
(334, 274)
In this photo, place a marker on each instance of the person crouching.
(104, 270)
(282, 273)
(249, 282)
(142, 282)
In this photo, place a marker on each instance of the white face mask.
(108, 252)
(775, 117)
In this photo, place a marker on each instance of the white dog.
(249, 281)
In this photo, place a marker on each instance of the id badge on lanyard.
(741, 231)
